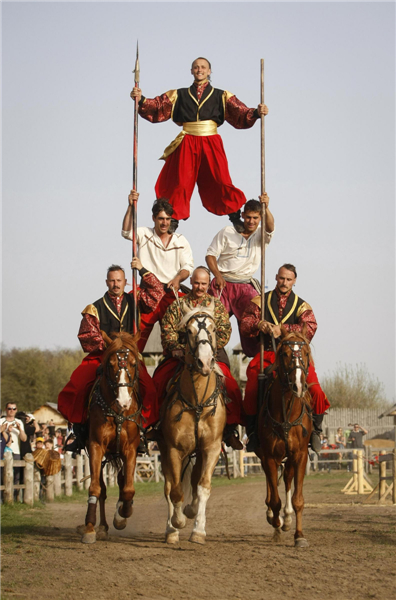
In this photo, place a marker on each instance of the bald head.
(200, 280)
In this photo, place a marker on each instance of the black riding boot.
(80, 432)
(316, 431)
(251, 433)
(236, 220)
(173, 226)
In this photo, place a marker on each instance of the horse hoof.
(190, 512)
(286, 525)
(89, 538)
(102, 533)
(197, 538)
(269, 519)
(276, 538)
(180, 522)
(301, 543)
(172, 538)
(119, 523)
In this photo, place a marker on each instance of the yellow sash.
(198, 128)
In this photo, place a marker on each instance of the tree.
(32, 377)
(353, 387)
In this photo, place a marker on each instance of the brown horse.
(114, 422)
(193, 420)
(285, 425)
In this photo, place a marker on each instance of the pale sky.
(330, 155)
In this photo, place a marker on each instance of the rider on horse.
(197, 154)
(174, 348)
(282, 307)
(112, 312)
(167, 255)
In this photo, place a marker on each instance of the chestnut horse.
(114, 422)
(193, 419)
(285, 425)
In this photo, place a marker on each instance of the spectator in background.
(356, 436)
(51, 428)
(31, 428)
(49, 444)
(39, 443)
(4, 438)
(340, 438)
(16, 430)
(59, 440)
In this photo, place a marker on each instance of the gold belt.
(198, 128)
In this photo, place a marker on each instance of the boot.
(236, 220)
(231, 437)
(173, 226)
(251, 433)
(316, 431)
(142, 448)
(80, 433)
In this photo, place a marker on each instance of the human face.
(251, 221)
(200, 70)
(285, 280)
(200, 283)
(116, 282)
(161, 223)
(11, 410)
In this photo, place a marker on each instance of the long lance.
(134, 187)
(261, 376)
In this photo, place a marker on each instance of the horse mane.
(119, 341)
(194, 311)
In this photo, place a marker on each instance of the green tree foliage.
(31, 377)
(351, 386)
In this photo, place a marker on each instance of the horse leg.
(190, 510)
(95, 465)
(288, 510)
(127, 490)
(270, 514)
(274, 503)
(298, 501)
(176, 496)
(209, 460)
(102, 531)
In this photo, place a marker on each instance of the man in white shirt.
(234, 257)
(167, 255)
(16, 431)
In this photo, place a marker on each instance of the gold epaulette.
(172, 95)
(226, 97)
(301, 309)
(91, 310)
(257, 301)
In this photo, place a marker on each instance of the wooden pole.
(68, 474)
(394, 477)
(28, 478)
(263, 220)
(134, 187)
(79, 472)
(8, 478)
(382, 470)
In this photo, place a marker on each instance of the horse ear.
(106, 338)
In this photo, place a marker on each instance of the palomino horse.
(285, 426)
(114, 422)
(193, 420)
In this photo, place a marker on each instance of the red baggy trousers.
(319, 399)
(166, 370)
(201, 160)
(73, 399)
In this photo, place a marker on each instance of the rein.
(97, 397)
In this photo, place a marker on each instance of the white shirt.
(14, 433)
(164, 262)
(238, 258)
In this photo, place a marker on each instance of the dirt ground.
(351, 553)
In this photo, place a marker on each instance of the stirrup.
(231, 438)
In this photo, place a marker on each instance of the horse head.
(200, 329)
(293, 357)
(120, 368)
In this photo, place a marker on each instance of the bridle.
(202, 326)
(133, 383)
(297, 361)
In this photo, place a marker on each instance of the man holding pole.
(167, 255)
(282, 307)
(197, 154)
(234, 257)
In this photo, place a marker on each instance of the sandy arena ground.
(351, 553)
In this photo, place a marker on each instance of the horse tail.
(187, 469)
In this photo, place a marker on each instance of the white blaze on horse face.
(205, 354)
(123, 397)
(298, 371)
